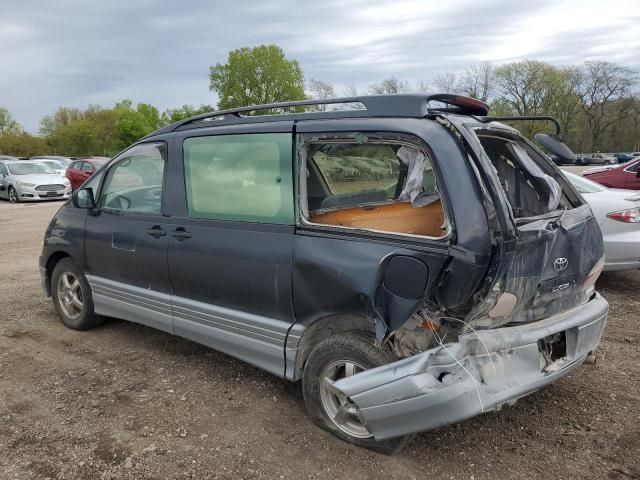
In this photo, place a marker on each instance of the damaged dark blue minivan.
(410, 259)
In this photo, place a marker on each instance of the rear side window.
(383, 186)
(240, 177)
(351, 168)
(86, 167)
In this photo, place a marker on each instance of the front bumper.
(44, 280)
(30, 194)
(494, 367)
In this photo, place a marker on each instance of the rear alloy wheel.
(342, 412)
(337, 357)
(72, 296)
(13, 195)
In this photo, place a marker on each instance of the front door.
(126, 240)
(75, 174)
(230, 249)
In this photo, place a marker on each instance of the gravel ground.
(126, 401)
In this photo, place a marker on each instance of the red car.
(82, 169)
(626, 175)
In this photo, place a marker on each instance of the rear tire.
(72, 296)
(336, 357)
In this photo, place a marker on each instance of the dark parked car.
(626, 175)
(413, 267)
(623, 157)
(80, 170)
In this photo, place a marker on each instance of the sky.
(77, 52)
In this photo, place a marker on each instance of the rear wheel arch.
(326, 327)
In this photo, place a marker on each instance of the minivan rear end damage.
(480, 372)
(534, 318)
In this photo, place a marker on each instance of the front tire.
(13, 195)
(334, 358)
(72, 296)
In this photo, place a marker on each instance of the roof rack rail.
(523, 118)
(396, 105)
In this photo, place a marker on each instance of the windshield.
(582, 184)
(28, 168)
(57, 164)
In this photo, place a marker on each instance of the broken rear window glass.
(381, 186)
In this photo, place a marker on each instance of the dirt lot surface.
(125, 401)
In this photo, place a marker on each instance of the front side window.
(244, 178)
(133, 184)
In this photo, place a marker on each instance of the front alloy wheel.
(13, 195)
(70, 295)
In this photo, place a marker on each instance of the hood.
(42, 178)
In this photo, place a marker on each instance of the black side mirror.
(83, 198)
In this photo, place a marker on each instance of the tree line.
(597, 103)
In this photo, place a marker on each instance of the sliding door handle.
(180, 234)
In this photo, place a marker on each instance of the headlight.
(66, 181)
(25, 184)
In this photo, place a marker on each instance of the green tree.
(172, 115)
(601, 86)
(256, 75)
(7, 123)
(531, 87)
(133, 124)
(21, 144)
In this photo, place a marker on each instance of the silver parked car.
(29, 181)
(618, 214)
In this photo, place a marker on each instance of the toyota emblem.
(560, 264)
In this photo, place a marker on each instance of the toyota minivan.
(408, 258)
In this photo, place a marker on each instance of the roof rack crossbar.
(413, 105)
(267, 106)
(523, 118)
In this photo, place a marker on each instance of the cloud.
(75, 53)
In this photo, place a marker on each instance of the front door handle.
(156, 231)
(180, 234)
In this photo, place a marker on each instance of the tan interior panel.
(397, 217)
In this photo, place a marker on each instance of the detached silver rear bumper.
(432, 389)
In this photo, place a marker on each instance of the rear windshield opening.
(385, 187)
(530, 191)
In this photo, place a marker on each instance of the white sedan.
(618, 214)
